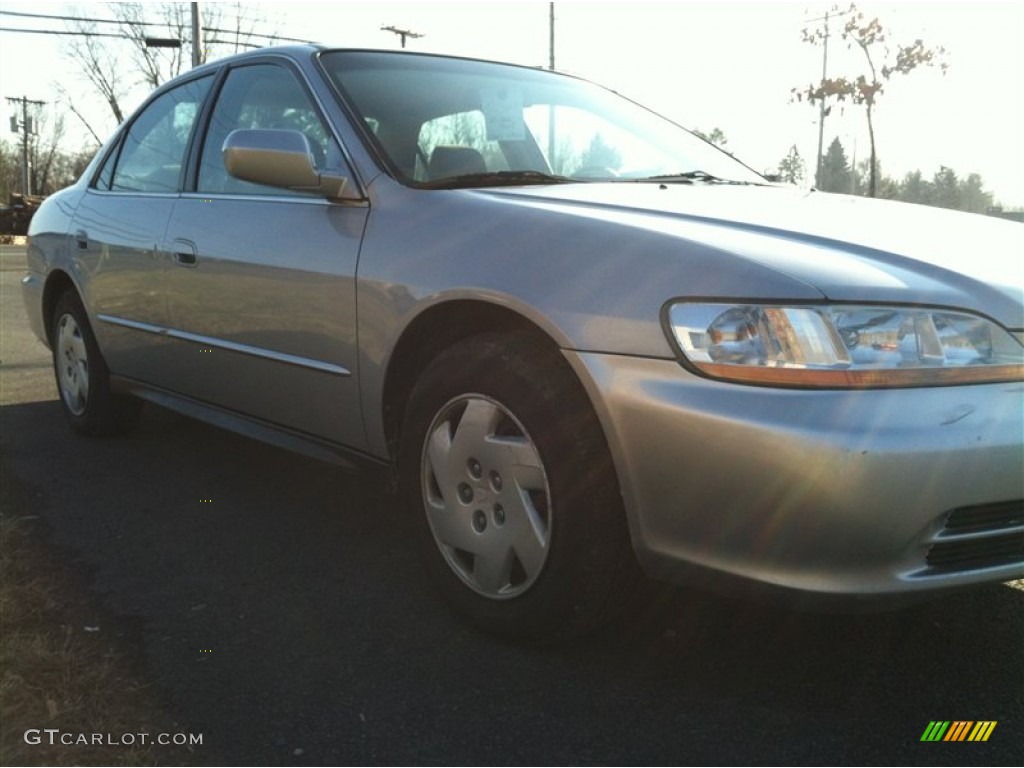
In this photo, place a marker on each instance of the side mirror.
(279, 158)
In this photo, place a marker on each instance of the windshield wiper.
(692, 177)
(497, 179)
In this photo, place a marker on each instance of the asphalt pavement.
(278, 608)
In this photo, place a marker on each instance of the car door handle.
(82, 239)
(184, 252)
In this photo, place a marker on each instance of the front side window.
(262, 96)
(152, 152)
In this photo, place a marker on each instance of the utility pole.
(402, 33)
(824, 76)
(853, 169)
(551, 66)
(551, 36)
(27, 127)
(821, 110)
(197, 37)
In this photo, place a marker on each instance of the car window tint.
(579, 143)
(459, 130)
(154, 147)
(539, 121)
(106, 174)
(261, 96)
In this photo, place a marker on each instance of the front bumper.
(871, 493)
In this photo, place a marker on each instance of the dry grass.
(54, 674)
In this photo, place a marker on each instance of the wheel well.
(435, 330)
(56, 284)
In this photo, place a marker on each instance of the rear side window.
(152, 152)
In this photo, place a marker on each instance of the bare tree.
(882, 62)
(716, 136)
(68, 100)
(156, 65)
(114, 66)
(10, 171)
(240, 37)
(46, 162)
(43, 151)
(98, 61)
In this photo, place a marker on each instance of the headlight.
(844, 345)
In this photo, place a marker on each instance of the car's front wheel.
(505, 467)
(83, 380)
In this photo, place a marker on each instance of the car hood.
(848, 248)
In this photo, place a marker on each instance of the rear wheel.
(83, 380)
(505, 467)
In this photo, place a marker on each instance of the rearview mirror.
(280, 158)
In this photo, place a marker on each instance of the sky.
(725, 64)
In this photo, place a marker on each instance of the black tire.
(83, 380)
(552, 554)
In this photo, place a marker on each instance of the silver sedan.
(582, 338)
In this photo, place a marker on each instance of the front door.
(261, 291)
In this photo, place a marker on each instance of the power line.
(81, 18)
(232, 42)
(259, 34)
(59, 32)
(131, 23)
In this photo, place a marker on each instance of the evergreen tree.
(600, 154)
(886, 187)
(973, 197)
(946, 188)
(835, 169)
(792, 168)
(915, 189)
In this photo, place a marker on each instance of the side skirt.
(265, 431)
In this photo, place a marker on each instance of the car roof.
(304, 51)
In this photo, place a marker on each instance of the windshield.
(441, 122)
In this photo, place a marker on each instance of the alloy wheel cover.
(486, 496)
(72, 365)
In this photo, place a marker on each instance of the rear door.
(261, 294)
(119, 232)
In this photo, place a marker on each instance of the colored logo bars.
(958, 730)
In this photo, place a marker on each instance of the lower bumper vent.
(983, 536)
